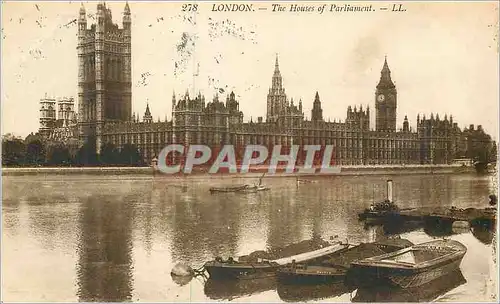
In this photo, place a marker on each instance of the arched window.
(108, 69)
(115, 69)
(120, 69)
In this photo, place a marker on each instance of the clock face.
(381, 97)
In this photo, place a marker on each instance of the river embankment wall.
(344, 170)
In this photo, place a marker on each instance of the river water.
(70, 238)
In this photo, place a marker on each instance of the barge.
(244, 269)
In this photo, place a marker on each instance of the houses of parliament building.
(105, 103)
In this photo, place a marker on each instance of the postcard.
(249, 151)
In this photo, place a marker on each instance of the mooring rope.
(200, 271)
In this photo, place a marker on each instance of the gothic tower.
(317, 112)
(104, 77)
(385, 101)
(147, 118)
(276, 98)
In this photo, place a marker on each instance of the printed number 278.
(189, 7)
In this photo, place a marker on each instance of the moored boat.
(385, 210)
(334, 267)
(232, 269)
(382, 211)
(408, 267)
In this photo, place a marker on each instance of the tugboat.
(382, 210)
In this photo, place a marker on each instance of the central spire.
(277, 83)
(276, 67)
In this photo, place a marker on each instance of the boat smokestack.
(389, 190)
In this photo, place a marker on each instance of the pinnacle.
(276, 67)
(385, 77)
(386, 66)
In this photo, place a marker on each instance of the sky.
(443, 58)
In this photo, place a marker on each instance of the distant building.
(62, 126)
(66, 111)
(47, 115)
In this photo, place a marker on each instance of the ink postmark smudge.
(189, 18)
(144, 80)
(185, 50)
(217, 29)
(36, 54)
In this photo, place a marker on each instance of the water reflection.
(126, 233)
(437, 229)
(285, 217)
(105, 264)
(484, 234)
(204, 226)
(230, 290)
(302, 293)
(424, 293)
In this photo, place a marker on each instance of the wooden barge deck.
(442, 214)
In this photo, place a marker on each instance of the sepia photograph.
(249, 151)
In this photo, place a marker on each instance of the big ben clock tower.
(385, 102)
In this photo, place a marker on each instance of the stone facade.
(104, 77)
(105, 113)
(61, 127)
(215, 123)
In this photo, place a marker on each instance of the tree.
(493, 153)
(110, 155)
(13, 151)
(129, 155)
(58, 154)
(87, 155)
(35, 152)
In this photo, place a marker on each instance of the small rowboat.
(235, 188)
(409, 267)
(254, 188)
(334, 267)
(306, 181)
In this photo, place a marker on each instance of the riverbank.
(345, 170)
